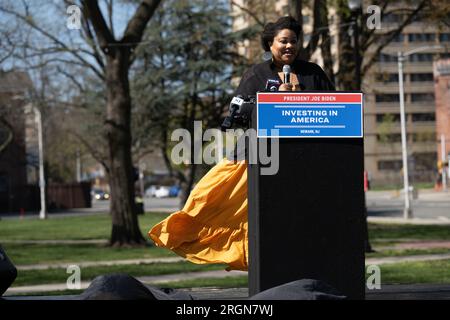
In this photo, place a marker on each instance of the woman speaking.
(212, 226)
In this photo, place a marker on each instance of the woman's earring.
(267, 55)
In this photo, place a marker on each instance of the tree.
(371, 42)
(185, 76)
(109, 58)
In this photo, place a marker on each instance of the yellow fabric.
(212, 227)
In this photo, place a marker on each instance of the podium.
(306, 221)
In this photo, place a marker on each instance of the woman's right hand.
(286, 87)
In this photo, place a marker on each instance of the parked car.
(174, 191)
(150, 191)
(162, 192)
(99, 194)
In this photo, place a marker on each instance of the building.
(442, 94)
(383, 157)
(13, 161)
(383, 153)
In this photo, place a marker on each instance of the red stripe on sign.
(310, 97)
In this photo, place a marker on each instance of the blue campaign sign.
(310, 115)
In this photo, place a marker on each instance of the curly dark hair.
(272, 28)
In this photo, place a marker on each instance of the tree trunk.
(346, 73)
(125, 228)
(325, 46)
(347, 81)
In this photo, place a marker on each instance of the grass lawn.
(35, 277)
(99, 226)
(394, 232)
(399, 273)
(406, 252)
(56, 253)
(69, 228)
(437, 271)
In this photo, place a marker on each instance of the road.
(102, 206)
(428, 205)
(150, 204)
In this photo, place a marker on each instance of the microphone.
(235, 104)
(287, 73)
(272, 85)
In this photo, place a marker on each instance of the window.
(422, 97)
(421, 57)
(388, 117)
(389, 137)
(423, 117)
(421, 37)
(444, 37)
(425, 160)
(398, 38)
(387, 77)
(421, 77)
(392, 18)
(387, 58)
(424, 137)
(387, 97)
(391, 165)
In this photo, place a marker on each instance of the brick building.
(13, 162)
(441, 70)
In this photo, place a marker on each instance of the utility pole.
(78, 166)
(444, 172)
(38, 118)
(407, 213)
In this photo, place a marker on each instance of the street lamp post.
(38, 118)
(443, 155)
(407, 212)
(401, 56)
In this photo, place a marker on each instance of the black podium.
(306, 221)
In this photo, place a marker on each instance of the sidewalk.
(416, 221)
(424, 194)
(151, 280)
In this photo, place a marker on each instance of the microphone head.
(287, 68)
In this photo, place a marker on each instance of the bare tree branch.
(109, 5)
(92, 150)
(72, 78)
(136, 26)
(369, 33)
(317, 23)
(384, 41)
(10, 134)
(249, 12)
(94, 14)
(54, 39)
(89, 38)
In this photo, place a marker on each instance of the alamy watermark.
(374, 20)
(74, 19)
(373, 282)
(190, 149)
(74, 280)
